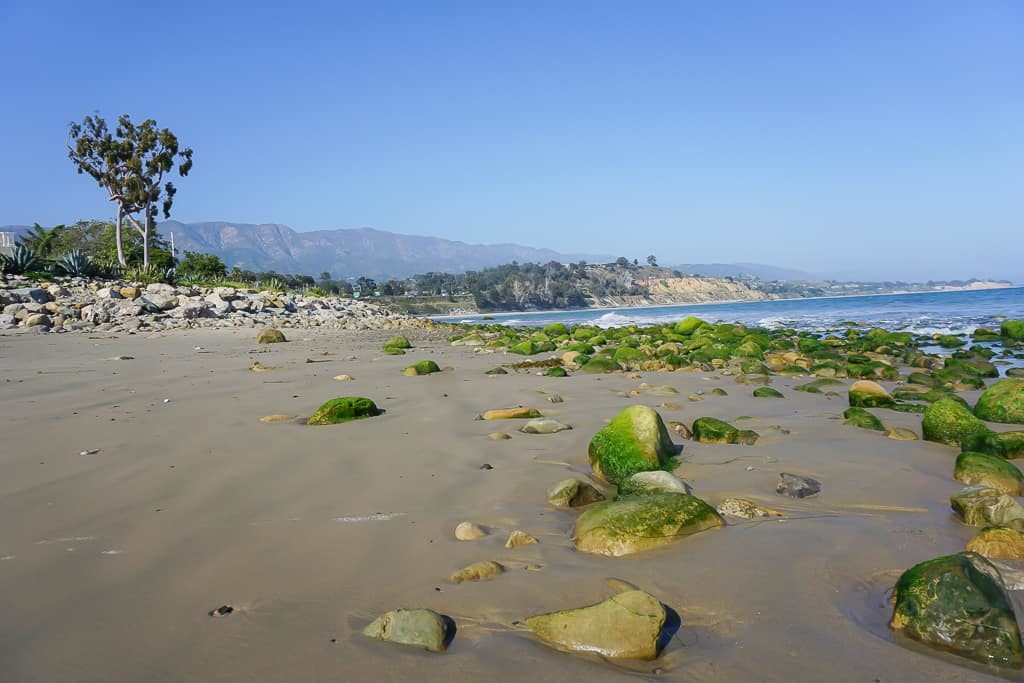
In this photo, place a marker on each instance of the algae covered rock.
(424, 367)
(397, 343)
(1012, 329)
(713, 430)
(745, 509)
(982, 469)
(572, 493)
(636, 440)
(600, 365)
(478, 571)
(985, 506)
(417, 627)
(867, 394)
(625, 626)
(556, 371)
(344, 409)
(767, 392)
(270, 336)
(998, 543)
(958, 603)
(949, 422)
(1002, 402)
(631, 524)
(858, 417)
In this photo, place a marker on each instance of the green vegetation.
(344, 409)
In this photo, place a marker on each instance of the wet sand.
(111, 562)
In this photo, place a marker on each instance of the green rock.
(747, 437)
(600, 365)
(1002, 402)
(868, 394)
(767, 392)
(636, 440)
(949, 422)
(1012, 329)
(556, 371)
(815, 386)
(343, 410)
(526, 348)
(958, 603)
(985, 506)
(398, 343)
(627, 356)
(713, 430)
(1003, 444)
(471, 339)
(556, 330)
(688, 326)
(858, 417)
(631, 524)
(982, 469)
(424, 367)
(270, 336)
(625, 626)
(417, 627)
(948, 341)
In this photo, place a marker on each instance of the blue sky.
(876, 139)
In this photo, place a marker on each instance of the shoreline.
(448, 318)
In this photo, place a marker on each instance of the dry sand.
(110, 562)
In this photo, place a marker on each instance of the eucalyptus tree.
(130, 163)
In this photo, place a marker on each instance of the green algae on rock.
(556, 372)
(344, 409)
(631, 524)
(636, 440)
(599, 364)
(982, 469)
(424, 367)
(417, 627)
(958, 603)
(625, 626)
(867, 394)
(949, 422)
(767, 392)
(858, 417)
(1012, 329)
(1002, 402)
(713, 430)
(397, 343)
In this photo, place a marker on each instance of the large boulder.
(1012, 329)
(270, 336)
(631, 524)
(417, 627)
(985, 506)
(982, 469)
(344, 409)
(867, 394)
(636, 440)
(958, 603)
(1002, 402)
(625, 626)
(949, 422)
(998, 543)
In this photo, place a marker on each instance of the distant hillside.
(346, 252)
(759, 271)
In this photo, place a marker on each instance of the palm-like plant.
(76, 264)
(21, 260)
(40, 240)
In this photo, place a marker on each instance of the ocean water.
(927, 313)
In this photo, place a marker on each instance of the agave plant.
(76, 264)
(21, 260)
(274, 285)
(145, 275)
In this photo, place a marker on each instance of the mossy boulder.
(767, 392)
(597, 365)
(1012, 329)
(625, 626)
(985, 506)
(1003, 444)
(525, 348)
(858, 417)
(949, 422)
(557, 371)
(422, 628)
(423, 367)
(868, 394)
(631, 524)
(959, 603)
(344, 409)
(1002, 402)
(270, 336)
(556, 330)
(397, 343)
(636, 440)
(688, 326)
(982, 469)
(713, 430)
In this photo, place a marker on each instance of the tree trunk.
(117, 237)
(145, 243)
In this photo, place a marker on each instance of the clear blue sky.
(868, 138)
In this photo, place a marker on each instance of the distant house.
(6, 242)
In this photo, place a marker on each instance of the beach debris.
(221, 611)
(478, 571)
(631, 524)
(745, 509)
(998, 543)
(636, 440)
(518, 539)
(985, 506)
(797, 486)
(555, 398)
(518, 413)
(90, 451)
(544, 425)
(467, 531)
(625, 626)
(959, 603)
(422, 628)
(270, 335)
(681, 429)
(572, 493)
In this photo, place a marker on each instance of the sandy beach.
(111, 561)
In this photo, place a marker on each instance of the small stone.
(478, 571)
(681, 429)
(499, 436)
(745, 509)
(467, 531)
(260, 367)
(571, 493)
(796, 486)
(344, 378)
(544, 426)
(221, 611)
(278, 418)
(518, 538)
(900, 434)
(487, 466)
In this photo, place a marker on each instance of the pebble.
(467, 531)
